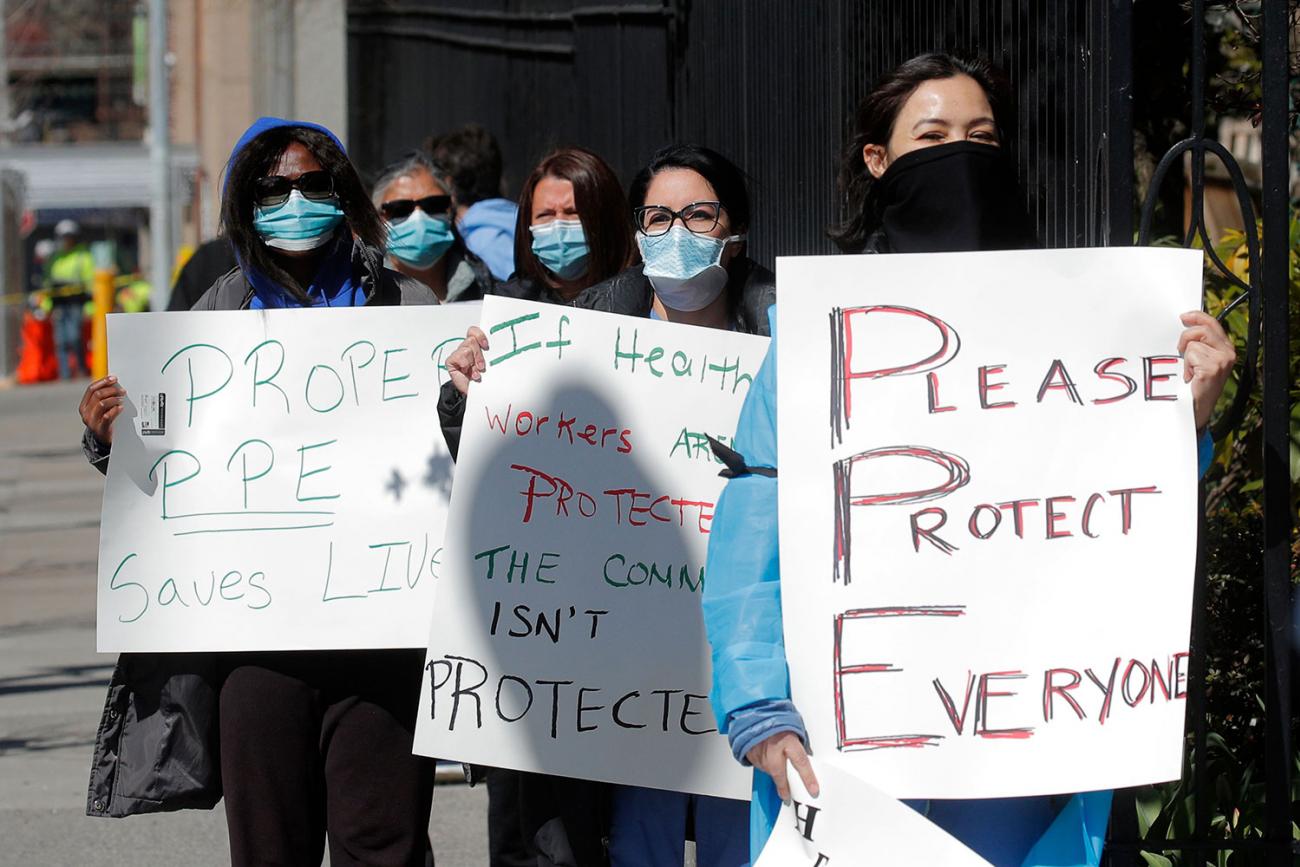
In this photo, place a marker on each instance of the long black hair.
(873, 123)
(260, 156)
(727, 180)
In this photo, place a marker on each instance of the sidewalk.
(52, 682)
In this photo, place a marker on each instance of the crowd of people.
(302, 743)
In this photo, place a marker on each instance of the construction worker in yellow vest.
(71, 275)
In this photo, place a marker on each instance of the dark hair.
(727, 180)
(260, 156)
(472, 159)
(873, 123)
(602, 207)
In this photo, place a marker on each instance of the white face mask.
(685, 268)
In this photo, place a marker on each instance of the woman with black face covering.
(925, 172)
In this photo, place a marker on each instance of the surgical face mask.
(561, 246)
(949, 198)
(298, 224)
(684, 268)
(419, 240)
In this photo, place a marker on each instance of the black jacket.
(751, 289)
(156, 748)
(210, 261)
(468, 276)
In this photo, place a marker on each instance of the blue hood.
(333, 284)
(264, 124)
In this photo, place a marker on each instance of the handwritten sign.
(850, 822)
(278, 479)
(567, 635)
(988, 516)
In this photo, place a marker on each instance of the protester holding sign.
(296, 742)
(691, 209)
(572, 232)
(925, 173)
(412, 196)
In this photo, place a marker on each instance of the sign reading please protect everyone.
(278, 480)
(988, 516)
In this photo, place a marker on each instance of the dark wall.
(770, 83)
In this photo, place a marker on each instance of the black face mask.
(951, 198)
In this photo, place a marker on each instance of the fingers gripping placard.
(987, 554)
(277, 481)
(567, 636)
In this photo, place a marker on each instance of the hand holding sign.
(467, 364)
(773, 755)
(850, 822)
(1208, 357)
(100, 407)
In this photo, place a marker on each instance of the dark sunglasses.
(400, 209)
(274, 189)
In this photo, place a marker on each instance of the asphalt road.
(52, 682)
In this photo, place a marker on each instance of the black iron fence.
(773, 84)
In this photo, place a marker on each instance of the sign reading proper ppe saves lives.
(277, 481)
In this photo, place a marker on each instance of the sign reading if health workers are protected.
(278, 479)
(988, 516)
(567, 635)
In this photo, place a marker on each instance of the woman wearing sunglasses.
(412, 197)
(295, 742)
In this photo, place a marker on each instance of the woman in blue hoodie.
(925, 172)
(296, 742)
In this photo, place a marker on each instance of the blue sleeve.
(742, 591)
(757, 722)
(1204, 452)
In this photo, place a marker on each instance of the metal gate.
(771, 84)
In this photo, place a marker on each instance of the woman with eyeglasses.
(690, 208)
(411, 195)
(297, 743)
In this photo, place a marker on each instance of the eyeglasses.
(274, 189)
(400, 209)
(697, 217)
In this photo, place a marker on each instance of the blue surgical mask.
(419, 240)
(561, 246)
(298, 224)
(685, 268)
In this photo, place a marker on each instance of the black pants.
(321, 741)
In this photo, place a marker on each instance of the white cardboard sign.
(278, 480)
(567, 635)
(850, 822)
(988, 527)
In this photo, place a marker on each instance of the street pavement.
(52, 682)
